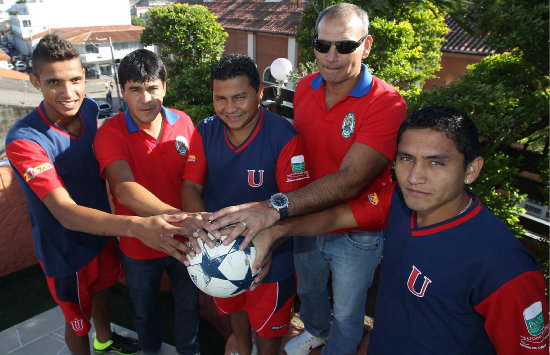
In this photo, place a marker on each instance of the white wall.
(79, 13)
(4, 7)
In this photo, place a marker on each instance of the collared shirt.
(157, 165)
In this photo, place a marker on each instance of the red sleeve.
(292, 166)
(196, 167)
(109, 146)
(372, 209)
(379, 129)
(32, 162)
(516, 315)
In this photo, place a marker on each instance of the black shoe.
(117, 344)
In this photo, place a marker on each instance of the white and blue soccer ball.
(223, 271)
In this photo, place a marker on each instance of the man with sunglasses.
(349, 120)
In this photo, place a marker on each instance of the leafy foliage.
(138, 21)
(192, 41)
(508, 100)
(511, 24)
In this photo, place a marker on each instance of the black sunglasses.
(343, 47)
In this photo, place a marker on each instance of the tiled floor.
(44, 335)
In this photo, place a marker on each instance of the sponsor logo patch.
(191, 158)
(373, 198)
(534, 319)
(182, 145)
(31, 173)
(298, 166)
(348, 125)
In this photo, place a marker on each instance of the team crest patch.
(299, 171)
(348, 125)
(31, 173)
(182, 145)
(373, 198)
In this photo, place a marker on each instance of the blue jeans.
(352, 258)
(143, 278)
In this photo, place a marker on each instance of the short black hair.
(455, 124)
(52, 48)
(140, 66)
(235, 65)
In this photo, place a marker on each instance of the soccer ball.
(223, 271)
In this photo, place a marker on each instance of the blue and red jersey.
(462, 286)
(157, 165)
(270, 160)
(45, 157)
(370, 114)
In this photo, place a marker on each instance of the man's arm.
(132, 194)
(359, 166)
(338, 217)
(155, 231)
(516, 315)
(191, 200)
(144, 203)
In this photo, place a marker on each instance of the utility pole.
(115, 74)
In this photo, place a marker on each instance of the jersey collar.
(473, 211)
(131, 126)
(361, 88)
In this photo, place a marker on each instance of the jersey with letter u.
(246, 173)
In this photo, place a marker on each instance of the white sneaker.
(254, 350)
(303, 344)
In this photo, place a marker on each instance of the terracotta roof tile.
(458, 41)
(13, 74)
(280, 17)
(77, 35)
(4, 55)
(283, 17)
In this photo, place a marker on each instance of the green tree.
(407, 40)
(138, 21)
(192, 41)
(508, 100)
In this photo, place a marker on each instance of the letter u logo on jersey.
(252, 180)
(412, 280)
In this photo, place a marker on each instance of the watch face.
(279, 200)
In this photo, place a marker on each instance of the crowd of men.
(316, 198)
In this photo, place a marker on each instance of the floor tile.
(9, 340)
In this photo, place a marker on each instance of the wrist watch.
(279, 201)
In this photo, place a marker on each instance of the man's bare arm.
(154, 231)
(325, 221)
(360, 165)
(141, 201)
(192, 201)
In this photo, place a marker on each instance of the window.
(119, 46)
(26, 23)
(91, 48)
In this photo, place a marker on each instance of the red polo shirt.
(157, 165)
(370, 114)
